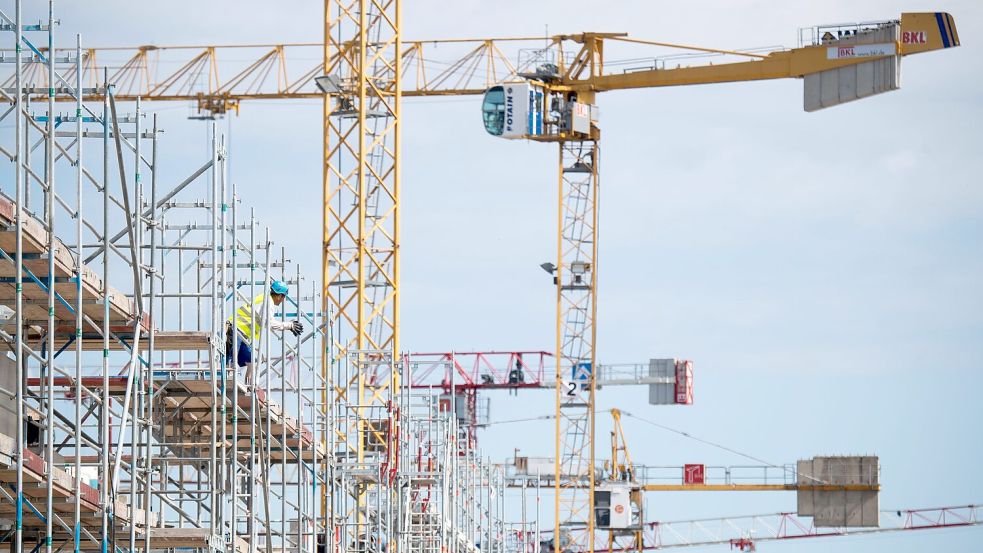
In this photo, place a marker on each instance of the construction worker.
(249, 326)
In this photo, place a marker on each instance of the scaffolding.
(452, 499)
(125, 425)
(128, 423)
(404, 473)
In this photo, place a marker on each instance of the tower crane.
(460, 375)
(622, 477)
(362, 79)
(556, 102)
(744, 533)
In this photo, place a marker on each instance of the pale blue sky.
(822, 270)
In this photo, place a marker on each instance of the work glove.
(296, 328)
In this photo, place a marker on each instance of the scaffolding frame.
(129, 428)
(132, 427)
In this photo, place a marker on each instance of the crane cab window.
(602, 509)
(493, 110)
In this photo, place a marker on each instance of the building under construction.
(130, 425)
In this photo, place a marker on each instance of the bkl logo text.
(914, 37)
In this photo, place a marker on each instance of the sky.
(822, 270)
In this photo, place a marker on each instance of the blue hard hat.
(278, 287)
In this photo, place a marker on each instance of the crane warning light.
(694, 474)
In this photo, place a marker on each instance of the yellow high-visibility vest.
(250, 327)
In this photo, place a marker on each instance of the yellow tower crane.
(366, 71)
(620, 506)
(555, 101)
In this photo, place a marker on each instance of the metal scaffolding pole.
(107, 500)
(300, 413)
(254, 444)
(135, 367)
(77, 502)
(152, 335)
(283, 427)
(216, 321)
(233, 288)
(49, 211)
(19, 280)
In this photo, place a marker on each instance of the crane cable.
(720, 446)
(674, 431)
(509, 421)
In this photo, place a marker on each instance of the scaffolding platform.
(35, 241)
(187, 538)
(189, 398)
(63, 488)
(122, 311)
(164, 340)
(193, 400)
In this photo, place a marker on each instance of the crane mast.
(575, 280)
(360, 260)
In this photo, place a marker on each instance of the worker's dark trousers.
(244, 354)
